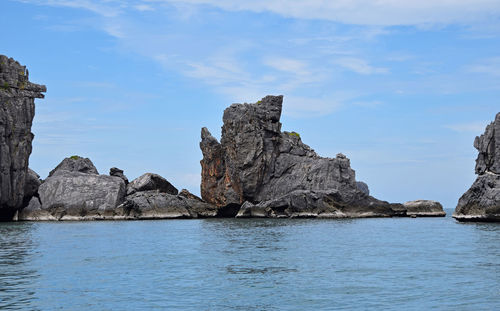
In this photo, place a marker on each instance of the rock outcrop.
(482, 201)
(424, 208)
(114, 171)
(76, 164)
(269, 173)
(74, 191)
(17, 109)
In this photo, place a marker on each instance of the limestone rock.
(150, 181)
(320, 203)
(482, 201)
(257, 163)
(72, 195)
(424, 208)
(75, 164)
(31, 186)
(363, 187)
(17, 109)
(114, 171)
(185, 193)
(158, 205)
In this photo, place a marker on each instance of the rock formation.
(75, 191)
(424, 208)
(114, 171)
(482, 201)
(269, 173)
(17, 101)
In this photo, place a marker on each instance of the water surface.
(251, 264)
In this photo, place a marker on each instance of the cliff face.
(275, 173)
(482, 201)
(17, 109)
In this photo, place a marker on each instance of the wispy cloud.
(489, 66)
(473, 127)
(360, 66)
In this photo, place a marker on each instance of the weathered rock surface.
(114, 171)
(17, 109)
(31, 186)
(363, 187)
(158, 205)
(275, 173)
(319, 203)
(75, 164)
(72, 195)
(151, 181)
(424, 208)
(482, 201)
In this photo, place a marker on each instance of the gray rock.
(70, 195)
(75, 164)
(114, 171)
(158, 205)
(363, 187)
(185, 193)
(482, 201)
(31, 186)
(17, 109)
(322, 204)
(424, 208)
(255, 162)
(150, 181)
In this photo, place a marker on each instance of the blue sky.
(400, 87)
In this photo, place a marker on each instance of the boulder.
(114, 171)
(159, 205)
(482, 201)
(17, 109)
(185, 193)
(75, 164)
(257, 163)
(424, 208)
(70, 195)
(150, 181)
(363, 187)
(31, 186)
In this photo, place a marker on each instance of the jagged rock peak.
(488, 145)
(17, 109)
(482, 201)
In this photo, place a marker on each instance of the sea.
(251, 264)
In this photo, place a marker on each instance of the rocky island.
(482, 201)
(255, 171)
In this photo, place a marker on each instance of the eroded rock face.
(482, 201)
(114, 171)
(72, 195)
(150, 181)
(257, 163)
(75, 164)
(17, 109)
(424, 208)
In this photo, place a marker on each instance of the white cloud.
(474, 127)
(360, 66)
(358, 12)
(489, 66)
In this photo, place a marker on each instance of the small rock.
(75, 164)
(150, 181)
(114, 171)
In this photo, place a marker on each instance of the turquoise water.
(245, 264)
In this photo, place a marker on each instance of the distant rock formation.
(269, 173)
(17, 109)
(482, 201)
(424, 208)
(75, 191)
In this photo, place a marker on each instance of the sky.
(400, 87)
